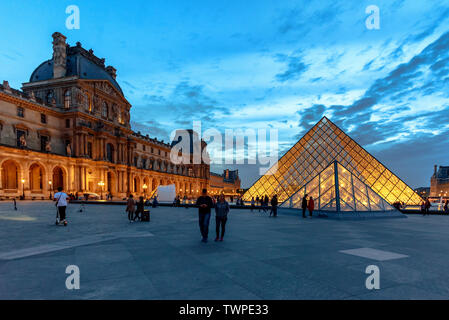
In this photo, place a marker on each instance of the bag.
(145, 216)
(56, 204)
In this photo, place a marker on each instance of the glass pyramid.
(314, 152)
(336, 189)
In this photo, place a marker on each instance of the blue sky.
(263, 64)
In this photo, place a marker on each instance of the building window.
(143, 147)
(20, 112)
(44, 140)
(110, 152)
(49, 97)
(43, 118)
(144, 163)
(67, 123)
(135, 161)
(20, 133)
(104, 110)
(67, 98)
(89, 149)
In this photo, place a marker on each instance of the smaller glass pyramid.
(338, 190)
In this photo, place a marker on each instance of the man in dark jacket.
(304, 206)
(204, 204)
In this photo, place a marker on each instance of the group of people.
(262, 202)
(425, 207)
(135, 208)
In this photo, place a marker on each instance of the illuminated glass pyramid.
(336, 189)
(322, 145)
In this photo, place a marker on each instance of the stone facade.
(70, 127)
(227, 183)
(439, 182)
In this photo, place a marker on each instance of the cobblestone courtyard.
(261, 257)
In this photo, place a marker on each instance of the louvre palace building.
(69, 127)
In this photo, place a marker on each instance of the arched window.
(104, 110)
(49, 97)
(67, 98)
(110, 152)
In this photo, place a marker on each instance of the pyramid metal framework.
(335, 189)
(314, 152)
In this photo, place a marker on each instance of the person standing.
(274, 206)
(446, 207)
(304, 205)
(184, 201)
(61, 204)
(311, 206)
(204, 204)
(130, 207)
(265, 204)
(221, 216)
(427, 207)
(253, 205)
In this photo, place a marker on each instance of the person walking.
(140, 208)
(311, 206)
(130, 207)
(61, 205)
(446, 207)
(252, 204)
(304, 205)
(221, 217)
(274, 206)
(204, 204)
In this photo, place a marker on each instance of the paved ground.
(261, 257)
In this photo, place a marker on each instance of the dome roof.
(81, 63)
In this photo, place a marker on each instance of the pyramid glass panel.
(349, 195)
(316, 150)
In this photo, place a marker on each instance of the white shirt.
(62, 196)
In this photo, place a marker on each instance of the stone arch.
(111, 179)
(136, 184)
(10, 175)
(59, 177)
(154, 184)
(147, 184)
(36, 177)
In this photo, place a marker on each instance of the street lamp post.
(101, 184)
(50, 183)
(145, 189)
(23, 189)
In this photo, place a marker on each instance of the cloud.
(403, 81)
(295, 68)
(152, 128)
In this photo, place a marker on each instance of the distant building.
(227, 183)
(424, 192)
(439, 182)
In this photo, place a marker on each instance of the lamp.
(23, 189)
(101, 184)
